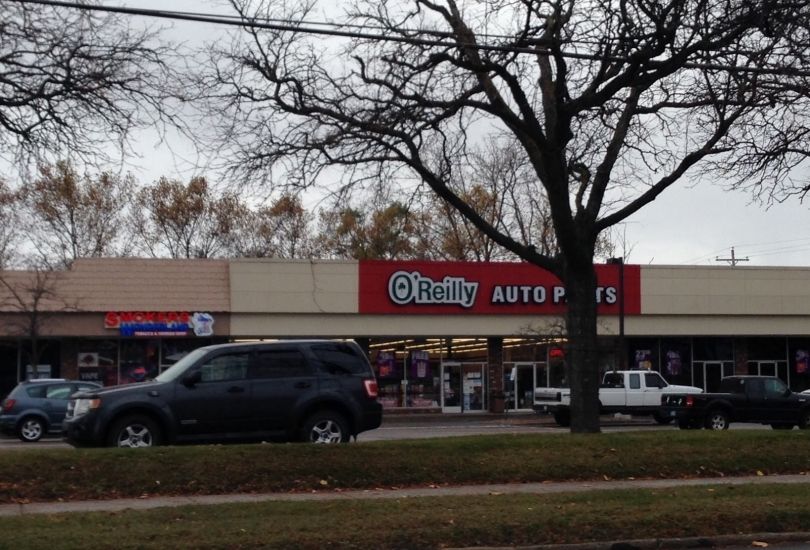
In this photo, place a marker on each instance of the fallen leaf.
(760, 473)
(759, 544)
(324, 482)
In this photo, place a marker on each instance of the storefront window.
(767, 349)
(97, 361)
(713, 349)
(408, 372)
(799, 358)
(48, 364)
(389, 378)
(643, 353)
(139, 360)
(676, 361)
(8, 367)
(768, 357)
(423, 380)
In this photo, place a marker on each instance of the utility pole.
(733, 260)
(622, 350)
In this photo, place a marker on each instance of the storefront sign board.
(485, 288)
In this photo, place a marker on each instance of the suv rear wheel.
(31, 429)
(325, 427)
(134, 431)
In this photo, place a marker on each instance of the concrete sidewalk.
(7, 510)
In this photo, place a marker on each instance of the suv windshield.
(180, 367)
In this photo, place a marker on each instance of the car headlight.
(83, 406)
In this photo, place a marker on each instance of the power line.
(299, 27)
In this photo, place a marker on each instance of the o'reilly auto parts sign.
(485, 288)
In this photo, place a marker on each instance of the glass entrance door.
(451, 387)
(520, 380)
(463, 387)
(712, 374)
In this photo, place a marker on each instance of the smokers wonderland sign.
(485, 288)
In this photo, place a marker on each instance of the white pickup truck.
(635, 392)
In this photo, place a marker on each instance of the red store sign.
(149, 323)
(114, 319)
(485, 288)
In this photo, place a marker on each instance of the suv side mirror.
(787, 393)
(192, 379)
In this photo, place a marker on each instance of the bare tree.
(281, 229)
(9, 225)
(33, 298)
(497, 183)
(389, 231)
(171, 219)
(612, 102)
(74, 82)
(73, 216)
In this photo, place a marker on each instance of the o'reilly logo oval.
(414, 288)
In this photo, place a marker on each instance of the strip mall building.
(445, 336)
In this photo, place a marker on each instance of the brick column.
(495, 374)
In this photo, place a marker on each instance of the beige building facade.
(450, 336)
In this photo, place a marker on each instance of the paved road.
(421, 427)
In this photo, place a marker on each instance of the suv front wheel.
(134, 431)
(325, 427)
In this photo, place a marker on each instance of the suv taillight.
(8, 404)
(371, 388)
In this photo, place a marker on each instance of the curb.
(530, 418)
(656, 544)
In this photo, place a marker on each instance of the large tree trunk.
(582, 362)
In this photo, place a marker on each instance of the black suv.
(319, 391)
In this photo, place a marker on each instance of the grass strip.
(435, 522)
(68, 474)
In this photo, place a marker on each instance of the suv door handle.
(236, 389)
(303, 385)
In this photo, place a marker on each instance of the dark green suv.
(319, 391)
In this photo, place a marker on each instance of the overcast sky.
(684, 226)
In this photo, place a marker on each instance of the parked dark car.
(37, 407)
(319, 391)
(757, 399)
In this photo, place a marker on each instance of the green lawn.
(68, 474)
(435, 522)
